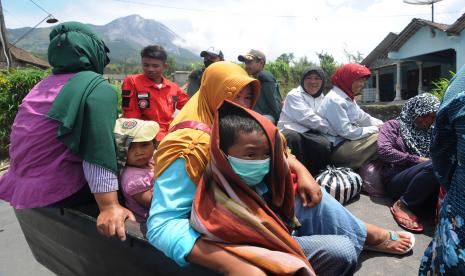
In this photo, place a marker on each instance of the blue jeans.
(334, 238)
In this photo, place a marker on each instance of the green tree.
(356, 57)
(280, 70)
(286, 58)
(328, 63)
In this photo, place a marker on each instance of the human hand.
(110, 221)
(308, 190)
(380, 126)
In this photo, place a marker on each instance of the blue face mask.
(251, 172)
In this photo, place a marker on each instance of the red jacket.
(142, 99)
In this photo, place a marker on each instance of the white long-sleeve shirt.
(346, 118)
(299, 113)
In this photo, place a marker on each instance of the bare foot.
(382, 240)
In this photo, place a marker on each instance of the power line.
(266, 15)
(37, 5)
(202, 10)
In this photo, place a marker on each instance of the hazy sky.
(302, 27)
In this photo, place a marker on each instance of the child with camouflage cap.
(135, 148)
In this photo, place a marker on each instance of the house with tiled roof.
(406, 64)
(23, 58)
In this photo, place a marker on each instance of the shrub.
(14, 85)
(440, 86)
(117, 85)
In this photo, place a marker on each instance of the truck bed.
(67, 242)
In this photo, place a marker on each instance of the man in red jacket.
(150, 96)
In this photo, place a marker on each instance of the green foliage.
(328, 63)
(288, 71)
(286, 57)
(440, 86)
(117, 85)
(195, 66)
(353, 58)
(14, 86)
(280, 70)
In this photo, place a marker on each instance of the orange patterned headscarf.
(227, 211)
(221, 81)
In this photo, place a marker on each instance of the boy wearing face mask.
(245, 202)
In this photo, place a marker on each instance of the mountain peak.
(133, 18)
(125, 37)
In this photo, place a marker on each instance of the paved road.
(376, 211)
(16, 258)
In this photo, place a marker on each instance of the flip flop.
(399, 216)
(393, 236)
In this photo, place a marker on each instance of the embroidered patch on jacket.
(143, 100)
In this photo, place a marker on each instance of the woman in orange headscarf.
(181, 160)
(248, 208)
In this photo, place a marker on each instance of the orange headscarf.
(227, 211)
(221, 81)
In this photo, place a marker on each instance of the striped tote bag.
(341, 183)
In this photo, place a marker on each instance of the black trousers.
(310, 148)
(416, 187)
(81, 197)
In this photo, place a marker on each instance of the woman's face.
(425, 121)
(358, 85)
(312, 83)
(245, 97)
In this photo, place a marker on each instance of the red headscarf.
(347, 74)
(227, 211)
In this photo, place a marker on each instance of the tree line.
(287, 69)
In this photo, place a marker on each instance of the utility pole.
(5, 55)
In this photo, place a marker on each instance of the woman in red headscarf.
(357, 131)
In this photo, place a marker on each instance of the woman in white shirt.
(357, 131)
(300, 124)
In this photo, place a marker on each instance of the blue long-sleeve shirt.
(168, 227)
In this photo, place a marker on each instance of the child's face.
(245, 97)
(140, 153)
(250, 146)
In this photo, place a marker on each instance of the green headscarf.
(76, 47)
(86, 106)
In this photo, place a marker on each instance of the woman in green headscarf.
(62, 136)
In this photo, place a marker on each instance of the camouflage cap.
(251, 55)
(140, 130)
(128, 130)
